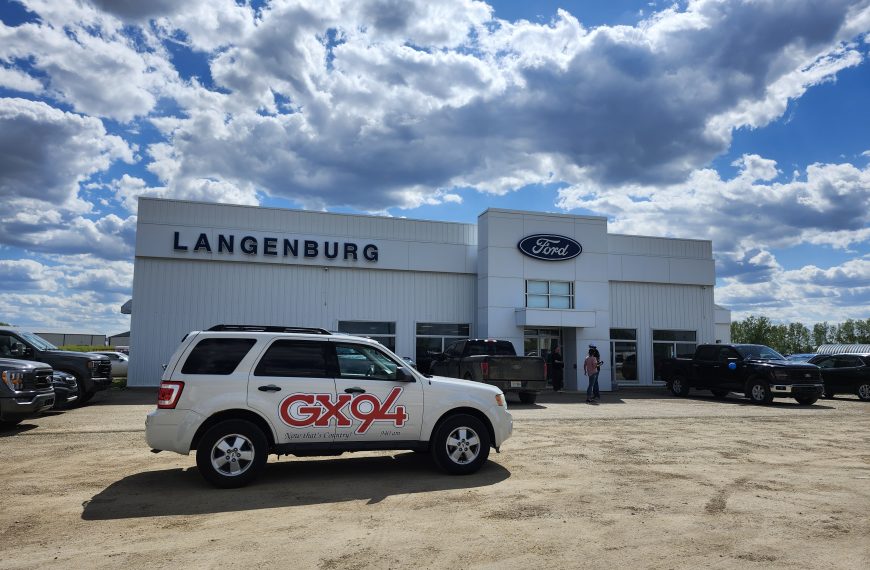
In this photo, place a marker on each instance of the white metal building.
(417, 285)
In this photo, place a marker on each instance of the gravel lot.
(642, 480)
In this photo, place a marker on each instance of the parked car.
(238, 393)
(752, 369)
(493, 362)
(845, 374)
(25, 390)
(92, 371)
(800, 357)
(119, 362)
(66, 389)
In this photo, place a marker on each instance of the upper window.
(689, 336)
(549, 294)
(623, 334)
(383, 332)
(358, 361)
(217, 355)
(294, 358)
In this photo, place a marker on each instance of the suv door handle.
(269, 388)
(354, 390)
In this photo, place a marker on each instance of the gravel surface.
(641, 480)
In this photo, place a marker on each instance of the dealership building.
(533, 278)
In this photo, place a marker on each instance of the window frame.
(549, 295)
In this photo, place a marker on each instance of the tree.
(821, 334)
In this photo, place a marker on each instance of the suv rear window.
(217, 355)
(294, 358)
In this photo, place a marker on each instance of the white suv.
(237, 393)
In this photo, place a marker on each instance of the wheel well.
(751, 379)
(234, 415)
(471, 412)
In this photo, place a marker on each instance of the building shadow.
(289, 483)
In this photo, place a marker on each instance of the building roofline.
(550, 214)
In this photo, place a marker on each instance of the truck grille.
(804, 375)
(37, 379)
(103, 369)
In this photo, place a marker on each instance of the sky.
(742, 122)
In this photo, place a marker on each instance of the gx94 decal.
(304, 410)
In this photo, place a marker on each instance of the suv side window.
(217, 355)
(827, 362)
(294, 358)
(848, 362)
(360, 361)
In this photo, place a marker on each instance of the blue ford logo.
(549, 247)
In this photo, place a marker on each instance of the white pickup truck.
(237, 393)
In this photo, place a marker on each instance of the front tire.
(679, 387)
(759, 392)
(232, 453)
(528, 397)
(84, 395)
(864, 392)
(460, 445)
(720, 394)
(807, 400)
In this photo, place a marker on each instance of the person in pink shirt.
(591, 366)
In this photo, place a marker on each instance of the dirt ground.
(642, 480)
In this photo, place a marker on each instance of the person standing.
(591, 367)
(555, 368)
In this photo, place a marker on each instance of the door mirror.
(403, 375)
(19, 350)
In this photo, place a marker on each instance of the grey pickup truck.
(493, 362)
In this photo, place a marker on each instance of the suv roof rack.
(269, 328)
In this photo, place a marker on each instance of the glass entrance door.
(541, 342)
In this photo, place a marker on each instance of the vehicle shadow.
(15, 430)
(125, 396)
(735, 398)
(288, 483)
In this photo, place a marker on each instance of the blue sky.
(741, 122)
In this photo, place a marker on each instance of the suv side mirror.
(403, 376)
(19, 350)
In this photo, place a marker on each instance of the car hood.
(466, 385)
(78, 355)
(22, 364)
(784, 363)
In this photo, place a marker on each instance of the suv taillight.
(484, 369)
(168, 394)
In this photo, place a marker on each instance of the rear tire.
(460, 445)
(864, 392)
(720, 394)
(528, 397)
(679, 387)
(807, 400)
(829, 395)
(759, 392)
(232, 453)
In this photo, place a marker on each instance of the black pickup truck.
(93, 372)
(493, 362)
(25, 390)
(752, 369)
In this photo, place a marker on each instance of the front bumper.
(518, 385)
(172, 430)
(101, 382)
(26, 405)
(502, 425)
(792, 390)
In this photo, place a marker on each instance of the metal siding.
(174, 297)
(649, 306)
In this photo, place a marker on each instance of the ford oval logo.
(549, 247)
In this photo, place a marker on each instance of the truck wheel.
(231, 453)
(84, 395)
(807, 400)
(460, 444)
(829, 395)
(528, 397)
(679, 387)
(864, 392)
(759, 392)
(720, 394)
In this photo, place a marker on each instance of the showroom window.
(383, 332)
(623, 355)
(434, 338)
(549, 294)
(670, 344)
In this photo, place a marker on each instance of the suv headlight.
(15, 380)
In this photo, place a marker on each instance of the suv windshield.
(37, 341)
(758, 351)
